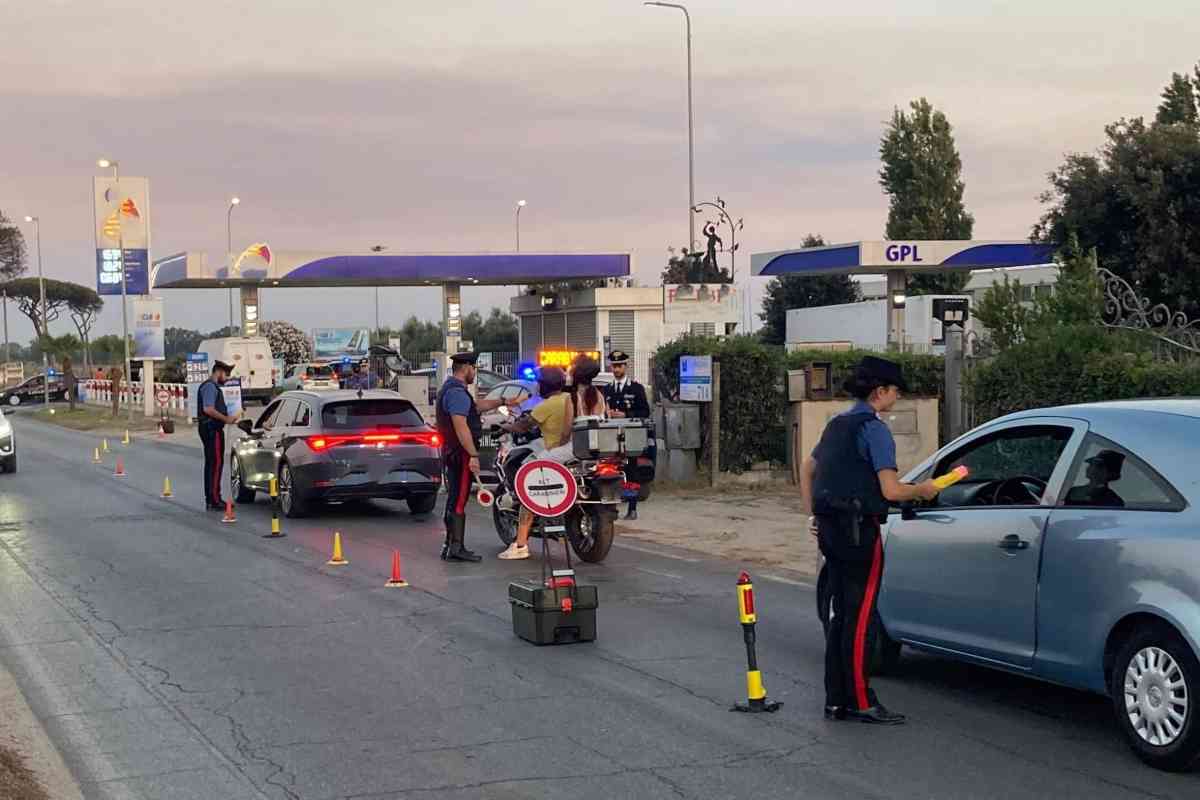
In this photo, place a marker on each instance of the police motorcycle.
(598, 469)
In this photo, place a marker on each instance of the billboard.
(148, 338)
(121, 215)
(701, 302)
(335, 342)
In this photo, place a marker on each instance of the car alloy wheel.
(1156, 696)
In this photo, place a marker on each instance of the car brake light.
(607, 469)
(321, 443)
(317, 443)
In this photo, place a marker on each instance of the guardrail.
(100, 393)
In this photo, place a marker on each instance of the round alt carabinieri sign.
(546, 488)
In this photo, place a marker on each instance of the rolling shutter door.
(581, 330)
(621, 332)
(531, 336)
(554, 330)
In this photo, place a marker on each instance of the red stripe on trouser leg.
(464, 486)
(864, 620)
(218, 464)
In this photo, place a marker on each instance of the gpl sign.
(903, 254)
(546, 488)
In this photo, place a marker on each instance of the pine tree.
(1178, 100)
(922, 176)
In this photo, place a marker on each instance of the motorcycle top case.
(593, 437)
(538, 616)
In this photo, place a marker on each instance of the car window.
(1009, 467)
(268, 416)
(1106, 475)
(497, 393)
(287, 413)
(303, 415)
(370, 413)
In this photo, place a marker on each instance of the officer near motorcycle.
(626, 398)
(460, 429)
(851, 481)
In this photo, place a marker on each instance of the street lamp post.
(691, 126)
(105, 163)
(229, 250)
(37, 232)
(520, 205)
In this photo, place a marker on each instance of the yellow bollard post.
(166, 492)
(756, 693)
(275, 531)
(337, 560)
(104, 445)
(96, 456)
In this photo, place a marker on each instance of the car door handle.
(1012, 542)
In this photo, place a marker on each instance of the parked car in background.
(1070, 554)
(338, 445)
(310, 377)
(32, 390)
(252, 362)
(8, 445)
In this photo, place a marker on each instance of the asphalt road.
(171, 656)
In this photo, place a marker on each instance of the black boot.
(448, 522)
(457, 552)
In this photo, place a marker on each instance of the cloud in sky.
(419, 125)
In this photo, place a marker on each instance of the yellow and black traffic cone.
(338, 559)
(275, 531)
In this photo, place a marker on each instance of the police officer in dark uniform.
(460, 428)
(851, 481)
(626, 398)
(213, 417)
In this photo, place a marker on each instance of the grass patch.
(17, 782)
(94, 418)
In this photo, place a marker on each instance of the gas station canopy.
(259, 266)
(910, 256)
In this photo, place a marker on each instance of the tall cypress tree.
(922, 176)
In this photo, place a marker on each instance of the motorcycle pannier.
(592, 437)
(540, 615)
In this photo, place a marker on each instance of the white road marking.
(660, 574)
(653, 552)
(789, 581)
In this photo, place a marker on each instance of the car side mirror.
(246, 425)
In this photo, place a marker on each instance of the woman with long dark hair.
(589, 401)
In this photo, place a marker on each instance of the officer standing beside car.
(213, 417)
(626, 398)
(460, 427)
(850, 482)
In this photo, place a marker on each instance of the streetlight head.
(234, 201)
(520, 203)
(28, 218)
(105, 163)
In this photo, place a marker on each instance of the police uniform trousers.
(213, 439)
(854, 574)
(459, 479)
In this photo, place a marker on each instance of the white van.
(251, 360)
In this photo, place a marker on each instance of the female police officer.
(850, 480)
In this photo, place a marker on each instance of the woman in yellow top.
(553, 417)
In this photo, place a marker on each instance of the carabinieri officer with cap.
(213, 417)
(460, 428)
(851, 481)
(626, 398)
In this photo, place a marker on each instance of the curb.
(21, 728)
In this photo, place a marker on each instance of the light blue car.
(1070, 554)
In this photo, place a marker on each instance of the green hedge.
(1077, 364)
(754, 394)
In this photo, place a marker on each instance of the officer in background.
(626, 398)
(460, 427)
(850, 482)
(214, 416)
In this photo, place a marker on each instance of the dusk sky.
(419, 125)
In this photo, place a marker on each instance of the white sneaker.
(514, 553)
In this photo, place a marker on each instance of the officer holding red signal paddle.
(850, 482)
